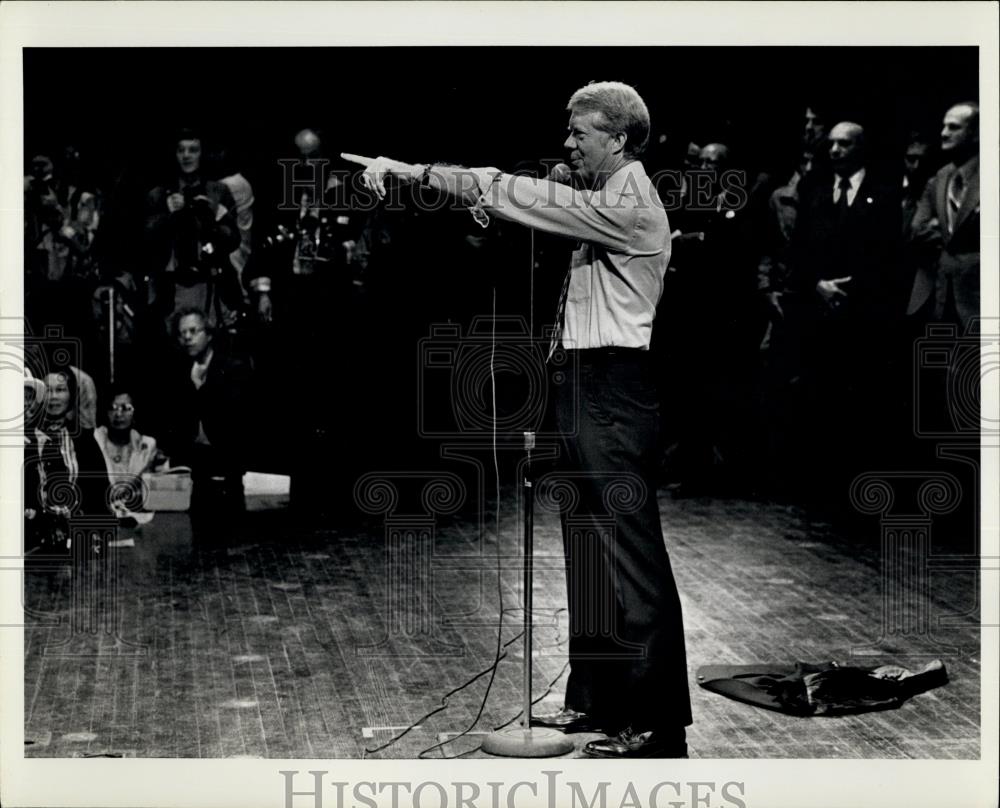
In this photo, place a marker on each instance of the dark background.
(486, 105)
(475, 106)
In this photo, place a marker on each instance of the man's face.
(916, 153)
(960, 129)
(845, 148)
(712, 157)
(814, 129)
(590, 149)
(189, 156)
(193, 335)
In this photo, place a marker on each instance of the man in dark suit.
(843, 248)
(916, 173)
(714, 260)
(208, 429)
(945, 227)
(845, 258)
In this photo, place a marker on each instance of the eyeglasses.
(122, 408)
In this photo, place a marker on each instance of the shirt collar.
(855, 179)
(618, 180)
(102, 436)
(208, 358)
(969, 167)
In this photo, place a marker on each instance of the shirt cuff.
(486, 178)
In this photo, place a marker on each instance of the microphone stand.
(111, 333)
(526, 740)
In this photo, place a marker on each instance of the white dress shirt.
(855, 179)
(623, 248)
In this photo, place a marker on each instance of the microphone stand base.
(536, 742)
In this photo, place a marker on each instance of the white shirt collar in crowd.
(855, 179)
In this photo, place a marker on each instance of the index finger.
(357, 158)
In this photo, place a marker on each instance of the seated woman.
(65, 474)
(125, 450)
(127, 453)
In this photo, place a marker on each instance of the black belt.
(612, 352)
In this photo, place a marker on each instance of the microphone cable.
(501, 647)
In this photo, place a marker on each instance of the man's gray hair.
(622, 108)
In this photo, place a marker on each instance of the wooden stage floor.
(329, 643)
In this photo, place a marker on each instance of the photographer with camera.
(190, 231)
(62, 214)
(629, 678)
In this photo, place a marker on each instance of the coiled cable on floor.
(501, 647)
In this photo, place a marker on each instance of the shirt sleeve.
(552, 207)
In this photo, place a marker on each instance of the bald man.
(946, 227)
(845, 264)
(842, 250)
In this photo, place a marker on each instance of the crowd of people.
(791, 312)
(784, 336)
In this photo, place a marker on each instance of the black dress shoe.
(568, 721)
(630, 743)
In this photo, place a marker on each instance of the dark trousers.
(217, 500)
(627, 658)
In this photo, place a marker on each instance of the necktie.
(956, 195)
(560, 316)
(842, 203)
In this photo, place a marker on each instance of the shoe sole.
(634, 755)
(571, 728)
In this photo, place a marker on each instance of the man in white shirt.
(628, 667)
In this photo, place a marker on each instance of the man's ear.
(618, 142)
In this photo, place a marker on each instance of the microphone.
(561, 173)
